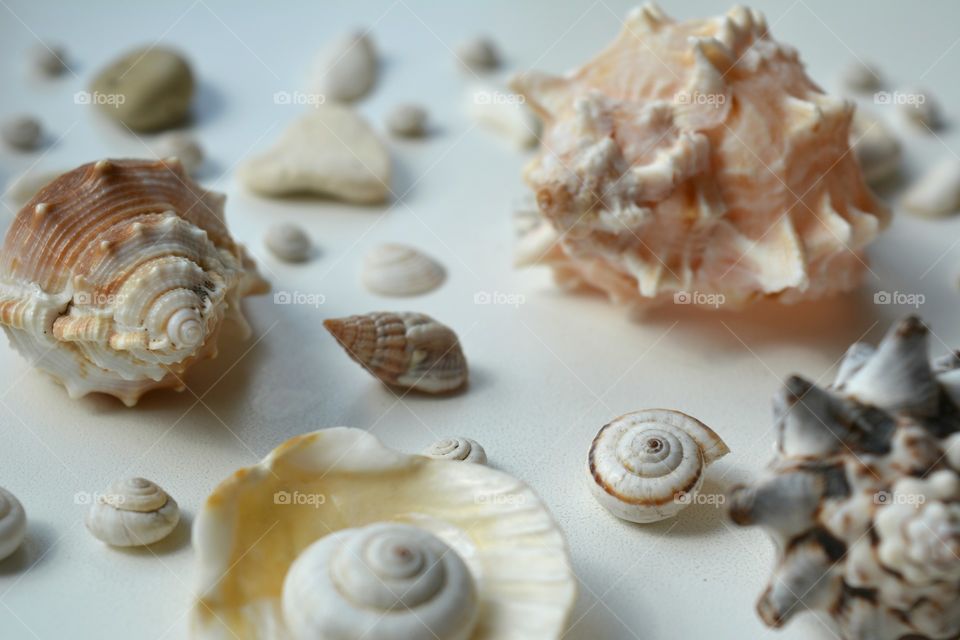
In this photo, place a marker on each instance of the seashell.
(478, 54)
(863, 497)
(118, 275)
(649, 465)
(644, 152)
(505, 114)
(47, 60)
(937, 192)
(23, 187)
(132, 513)
(288, 242)
(148, 89)
(406, 350)
(876, 147)
(384, 580)
(267, 536)
(861, 77)
(346, 70)
(400, 270)
(407, 121)
(184, 147)
(461, 449)
(22, 132)
(330, 151)
(13, 523)
(921, 108)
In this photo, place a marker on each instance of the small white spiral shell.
(133, 512)
(456, 448)
(386, 581)
(649, 465)
(13, 523)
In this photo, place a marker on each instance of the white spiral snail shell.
(133, 512)
(648, 465)
(456, 448)
(13, 523)
(384, 581)
(118, 275)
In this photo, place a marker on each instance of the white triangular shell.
(258, 522)
(118, 275)
(401, 270)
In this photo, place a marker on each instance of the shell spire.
(124, 281)
(864, 495)
(640, 174)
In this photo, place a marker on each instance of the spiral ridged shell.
(649, 465)
(387, 581)
(133, 512)
(461, 449)
(117, 276)
(13, 523)
(407, 350)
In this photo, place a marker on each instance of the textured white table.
(546, 374)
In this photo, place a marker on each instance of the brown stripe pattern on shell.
(408, 350)
(117, 275)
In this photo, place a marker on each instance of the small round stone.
(479, 54)
(288, 242)
(22, 132)
(407, 120)
(47, 59)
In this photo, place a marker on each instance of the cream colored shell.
(649, 465)
(133, 512)
(457, 448)
(699, 157)
(386, 581)
(346, 69)
(401, 270)
(13, 523)
(406, 350)
(258, 522)
(119, 275)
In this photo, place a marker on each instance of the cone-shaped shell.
(117, 276)
(406, 350)
(697, 157)
(258, 522)
(864, 495)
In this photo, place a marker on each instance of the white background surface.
(545, 375)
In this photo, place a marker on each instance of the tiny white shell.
(385, 580)
(921, 108)
(181, 145)
(288, 242)
(456, 448)
(504, 113)
(347, 68)
(401, 270)
(861, 77)
(407, 120)
(22, 132)
(937, 192)
(649, 465)
(47, 60)
(13, 523)
(133, 512)
(479, 54)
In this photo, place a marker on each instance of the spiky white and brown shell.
(649, 465)
(117, 276)
(864, 495)
(697, 156)
(294, 507)
(406, 350)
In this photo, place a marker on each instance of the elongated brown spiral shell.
(117, 276)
